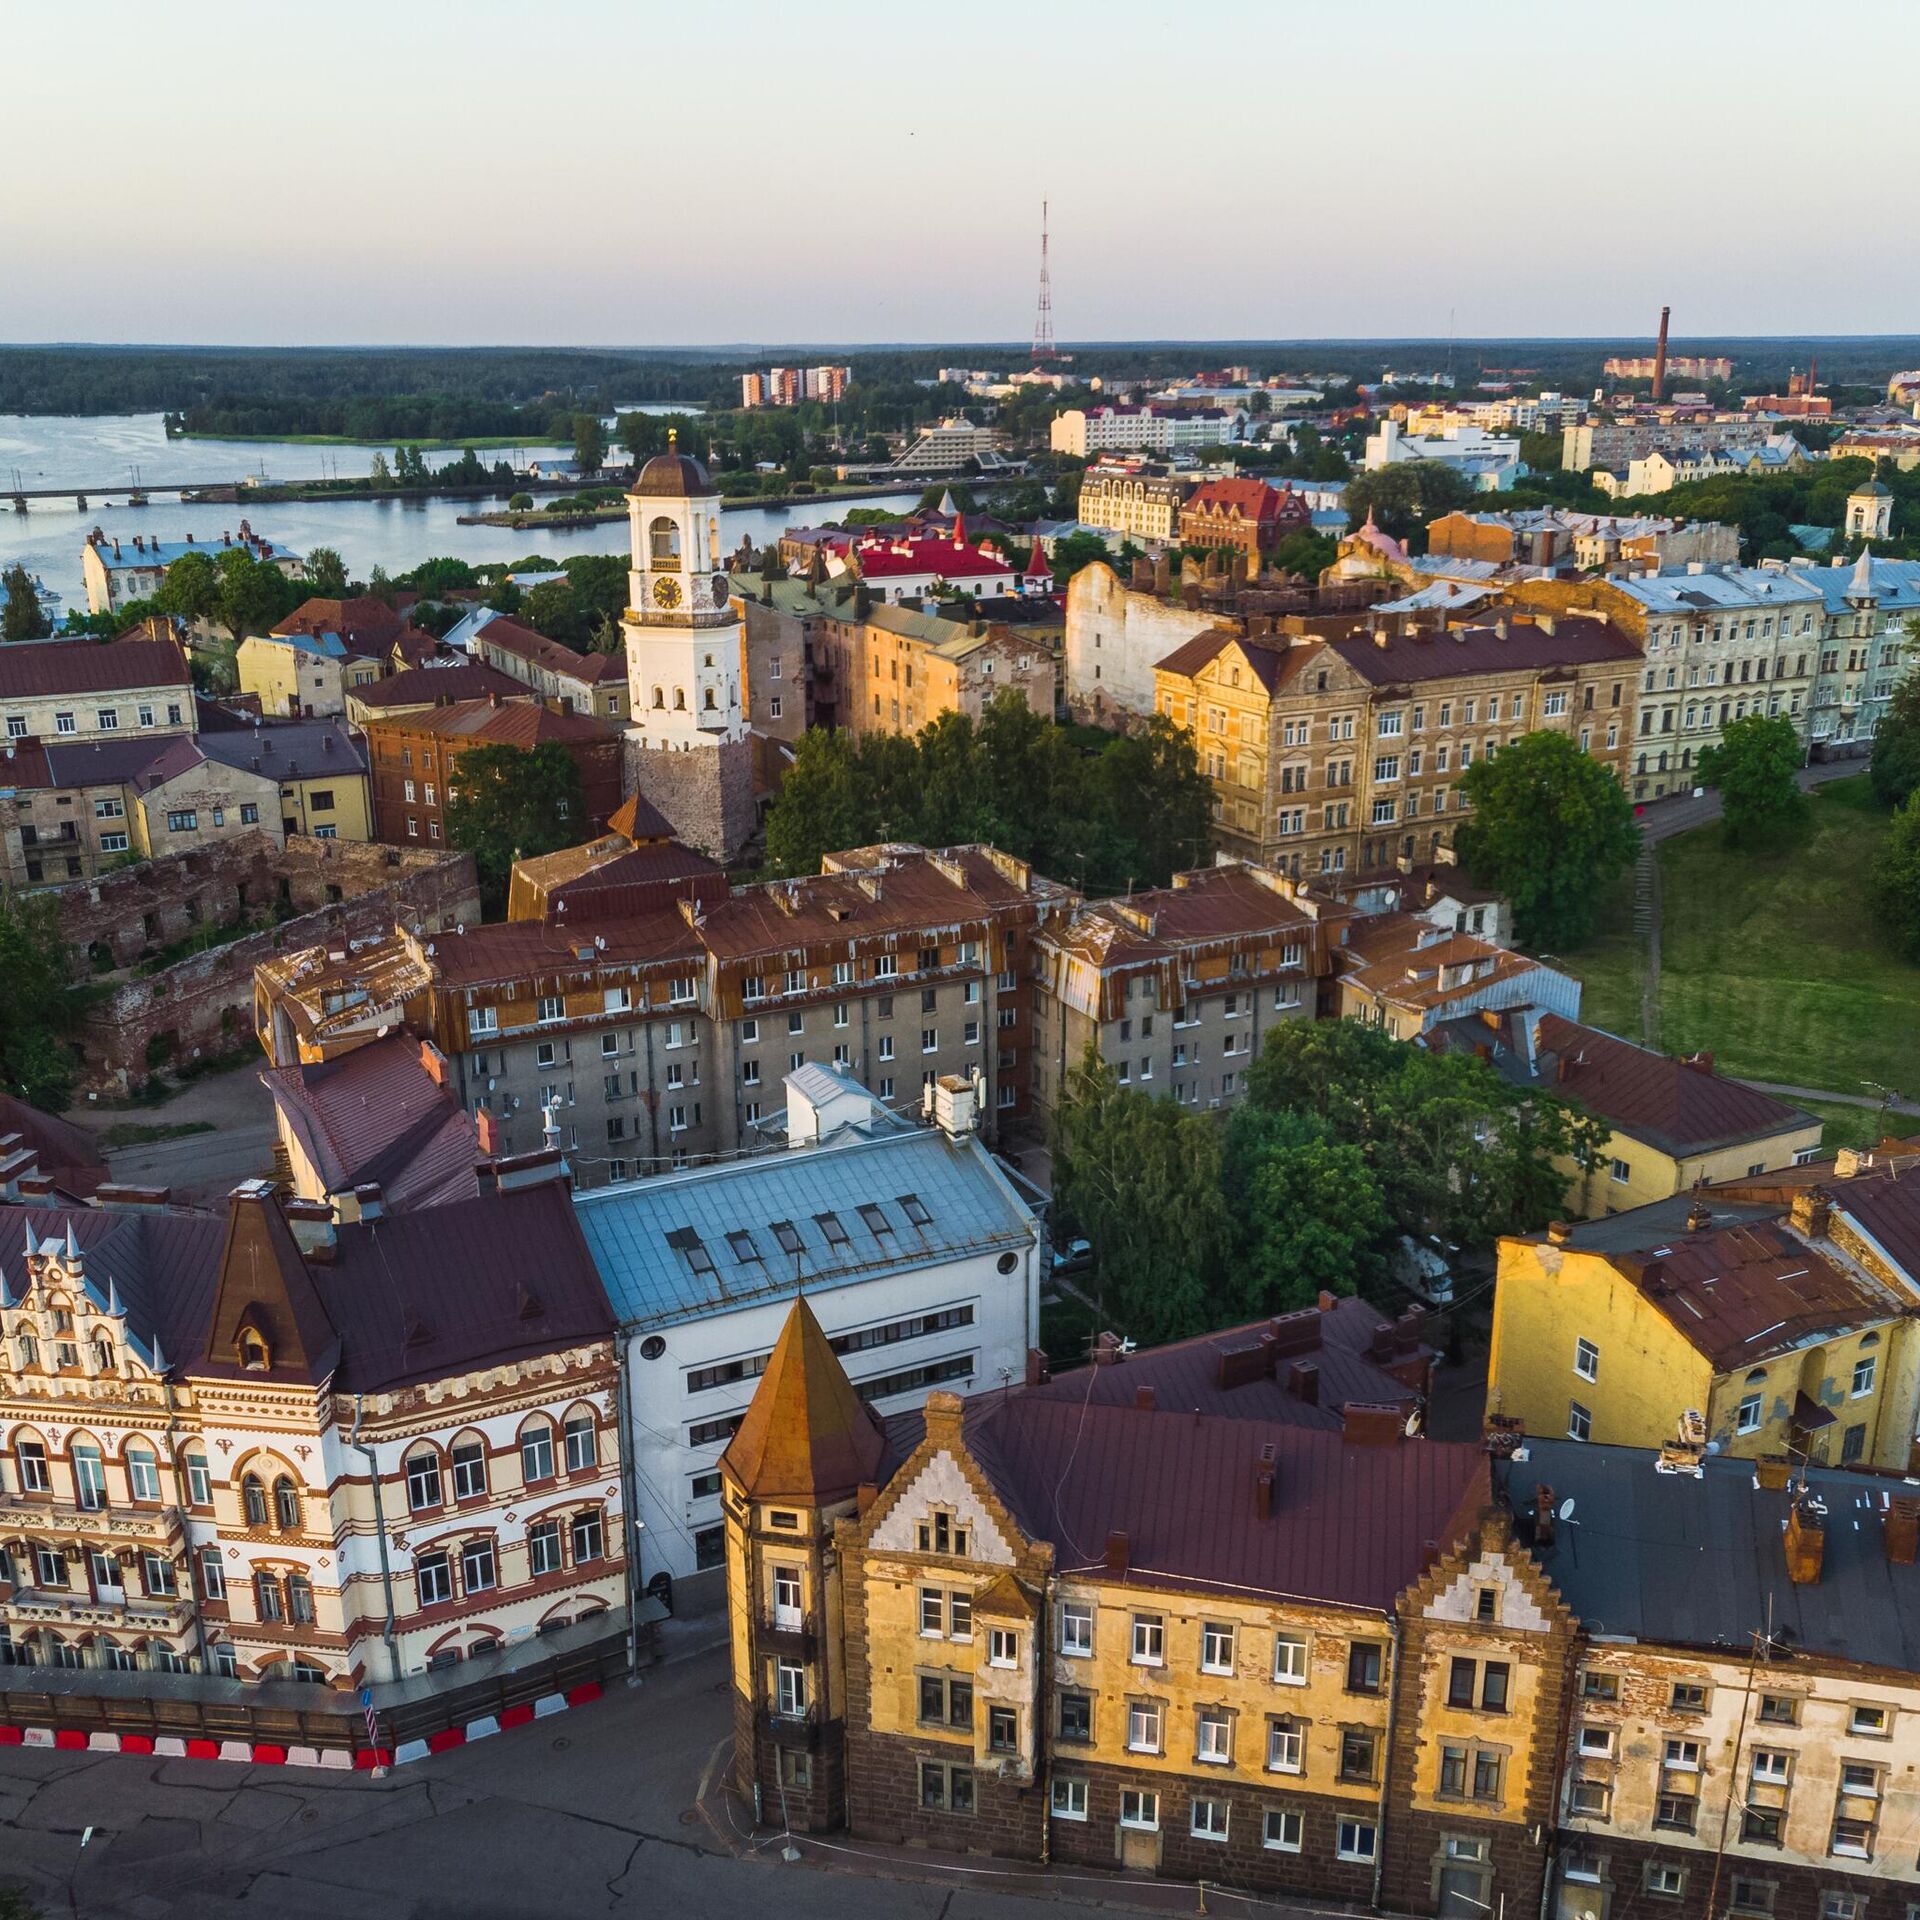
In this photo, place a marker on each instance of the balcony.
(786, 1630)
(37, 1515)
(55, 1607)
(798, 1730)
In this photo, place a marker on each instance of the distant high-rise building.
(753, 389)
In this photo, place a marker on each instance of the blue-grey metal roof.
(1896, 583)
(1700, 1561)
(1687, 590)
(651, 1281)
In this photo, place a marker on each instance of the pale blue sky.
(623, 171)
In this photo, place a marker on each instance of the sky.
(624, 172)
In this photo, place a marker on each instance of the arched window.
(255, 1355)
(103, 1352)
(199, 1480)
(89, 1476)
(254, 1497)
(1869, 1339)
(679, 699)
(1757, 1377)
(582, 1442)
(659, 698)
(30, 1457)
(536, 1450)
(423, 1479)
(299, 1600)
(286, 1505)
(29, 1351)
(469, 1456)
(266, 1597)
(143, 1472)
(711, 708)
(663, 540)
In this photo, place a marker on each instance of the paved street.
(199, 1166)
(589, 1814)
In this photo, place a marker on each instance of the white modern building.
(1085, 431)
(1489, 461)
(918, 1255)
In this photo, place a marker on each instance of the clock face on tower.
(719, 589)
(666, 591)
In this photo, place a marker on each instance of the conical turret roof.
(806, 1435)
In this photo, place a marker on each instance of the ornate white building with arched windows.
(269, 1447)
(688, 750)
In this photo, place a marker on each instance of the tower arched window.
(663, 542)
(679, 699)
(659, 698)
(710, 704)
(286, 1505)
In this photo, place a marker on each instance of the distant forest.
(531, 392)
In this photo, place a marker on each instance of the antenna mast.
(1043, 314)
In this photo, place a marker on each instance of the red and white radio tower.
(1043, 348)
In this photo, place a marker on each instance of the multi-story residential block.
(320, 768)
(1675, 1123)
(1679, 366)
(1551, 536)
(59, 690)
(1331, 754)
(1614, 444)
(947, 447)
(272, 1447)
(1176, 988)
(1756, 1322)
(908, 668)
(917, 1258)
(1864, 649)
(590, 683)
(1411, 974)
(412, 758)
(646, 1016)
(1721, 643)
(1121, 428)
(783, 619)
(1129, 497)
(116, 574)
(1247, 517)
(1489, 461)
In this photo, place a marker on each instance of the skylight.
(744, 1246)
(829, 1224)
(685, 1240)
(788, 1235)
(915, 1209)
(876, 1220)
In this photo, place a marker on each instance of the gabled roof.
(806, 1435)
(491, 722)
(431, 686)
(44, 669)
(264, 1287)
(362, 625)
(528, 644)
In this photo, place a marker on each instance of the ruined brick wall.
(338, 889)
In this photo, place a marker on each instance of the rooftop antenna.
(1043, 348)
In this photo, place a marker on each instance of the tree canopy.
(252, 594)
(1551, 829)
(1100, 812)
(21, 616)
(1895, 767)
(1753, 767)
(504, 805)
(38, 1006)
(1403, 497)
(1894, 886)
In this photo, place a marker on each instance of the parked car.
(1424, 1266)
(1075, 1257)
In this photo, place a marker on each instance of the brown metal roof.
(529, 644)
(431, 686)
(498, 722)
(1508, 646)
(46, 669)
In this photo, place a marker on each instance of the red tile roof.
(364, 624)
(511, 950)
(516, 723)
(935, 555)
(47, 668)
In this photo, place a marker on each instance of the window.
(469, 1469)
(1149, 1640)
(266, 1597)
(113, 843)
(1666, 1883)
(1852, 1839)
(1675, 1811)
(1747, 1416)
(1494, 1677)
(423, 1482)
(588, 1537)
(143, 1473)
(1145, 1722)
(582, 1443)
(1688, 1697)
(543, 1548)
(1356, 1754)
(1596, 1743)
(1216, 1648)
(1003, 1730)
(478, 1573)
(1208, 1818)
(1779, 1710)
(31, 1458)
(1069, 1798)
(1356, 1840)
(1873, 1723)
(1836, 1905)
(945, 1700)
(253, 1498)
(1003, 1647)
(1363, 1667)
(789, 1689)
(286, 1505)
(1586, 1360)
(1282, 1829)
(1075, 1717)
(1290, 1659)
(199, 1480)
(1579, 1421)
(1863, 1376)
(536, 1452)
(1213, 1736)
(1286, 1746)
(1139, 1808)
(1076, 1627)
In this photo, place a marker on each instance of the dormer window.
(941, 1533)
(255, 1355)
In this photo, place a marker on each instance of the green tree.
(1141, 1179)
(22, 617)
(1551, 829)
(550, 609)
(504, 805)
(1070, 554)
(589, 442)
(1753, 767)
(380, 473)
(1307, 1210)
(253, 594)
(1895, 767)
(1894, 887)
(326, 573)
(38, 1006)
(640, 435)
(519, 503)
(191, 587)
(1403, 497)
(822, 804)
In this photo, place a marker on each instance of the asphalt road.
(593, 1813)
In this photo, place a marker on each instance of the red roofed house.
(593, 683)
(412, 755)
(909, 568)
(1245, 516)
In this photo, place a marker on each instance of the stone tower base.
(707, 792)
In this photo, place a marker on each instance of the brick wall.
(707, 793)
(338, 889)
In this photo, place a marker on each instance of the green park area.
(1770, 960)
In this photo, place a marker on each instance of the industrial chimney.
(1660, 358)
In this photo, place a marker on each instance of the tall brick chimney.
(1806, 1542)
(1660, 358)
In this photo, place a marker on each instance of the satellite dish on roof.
(1566, 1509)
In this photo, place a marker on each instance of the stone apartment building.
(66, 690)
(1139, 502)
(910, 668)
(784, 618)
(1556, 537)
(1177, 987)
(412, 759)
(589, 683)
(1341, 751)
(650, 1021)
(1192, 1663)
(195, 1410)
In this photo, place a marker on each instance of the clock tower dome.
(688, 749)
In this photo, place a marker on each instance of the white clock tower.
(688, 749)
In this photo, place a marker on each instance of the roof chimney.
(1303, 1382)
(1116, 1553)
(371, 1201)
(1559, 1232)
(1372, 1424)
(1263, 1470)
(1543, 1515)
(1699, 1217)
(1773, 1471)
(1106, 1350)
(1143, 1399)
(1812, 1209)
(1901, 1530)
(487, 1126)
(311, 1224)
(1806, 1540)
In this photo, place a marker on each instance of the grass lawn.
(1855, 1126)
(1770, 960)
